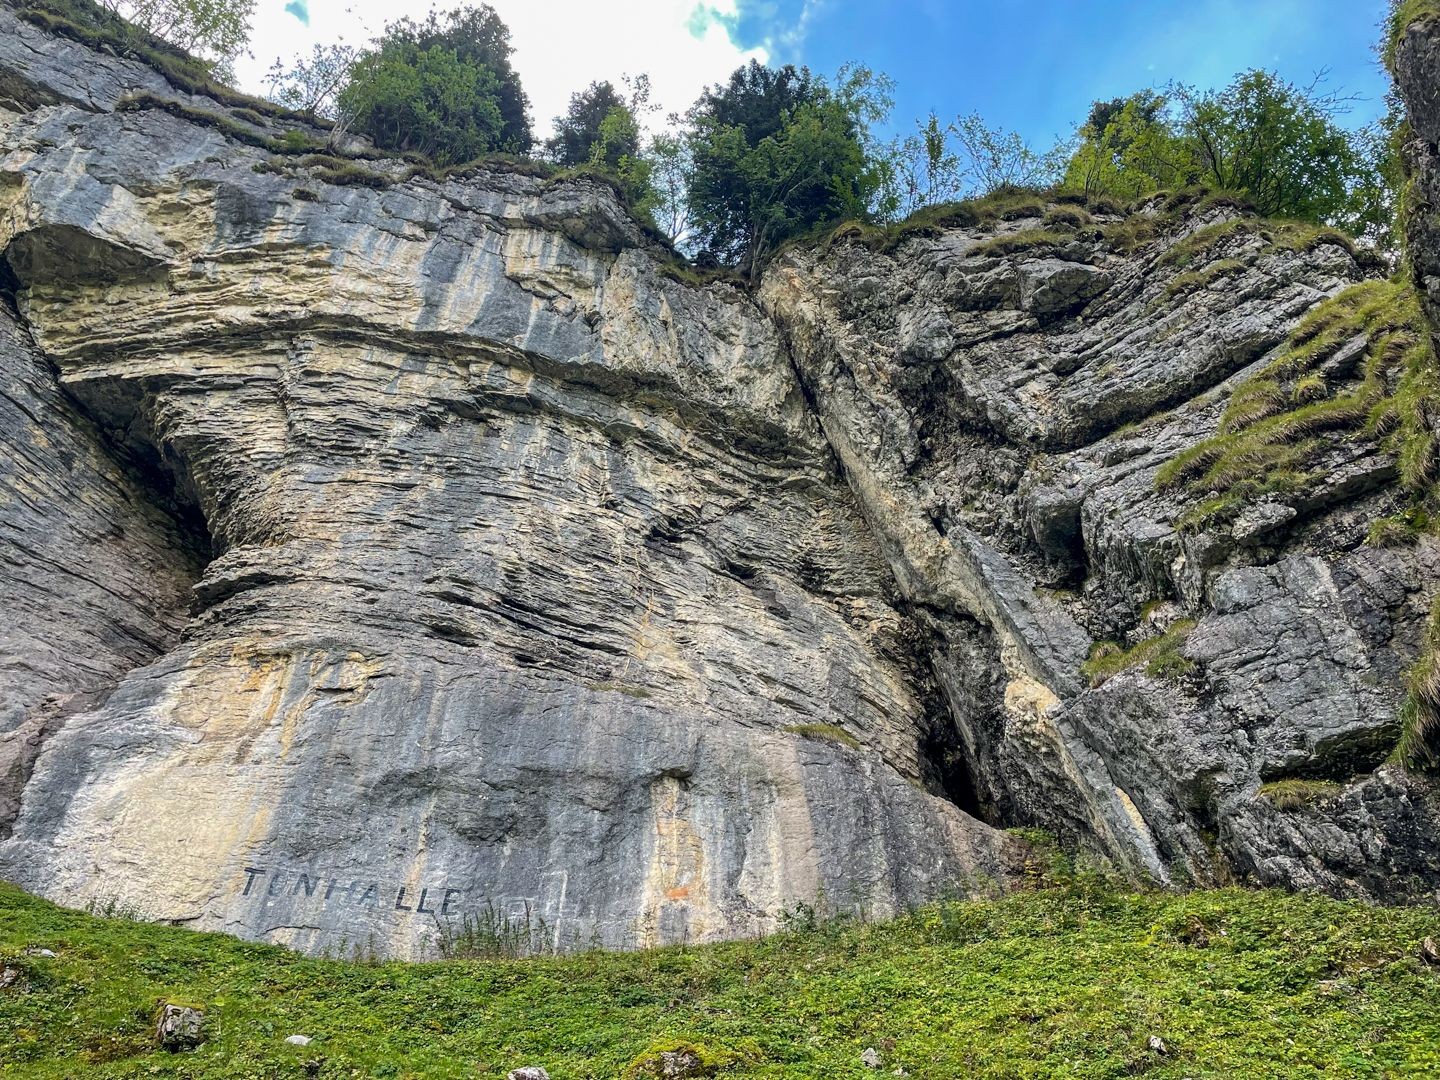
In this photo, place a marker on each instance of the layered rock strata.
(399, 556)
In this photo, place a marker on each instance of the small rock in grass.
(9, 976)
(1157, 1044)
(298, 1040)
(44, 953)
(1429, 951)
(528, 1072)
(680, 1063)
(179, 1027)
(870, 1058)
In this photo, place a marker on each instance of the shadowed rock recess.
(384, 556)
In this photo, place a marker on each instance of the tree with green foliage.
(579, 131)
(1129, 147)
(213, 30)
(443, 87)
(601, 131)
(775, 152)
(424, 100)
(1278, 144)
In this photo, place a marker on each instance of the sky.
(1029, 65)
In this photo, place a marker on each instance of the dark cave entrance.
(945, 770)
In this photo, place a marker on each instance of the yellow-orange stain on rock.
(675, 904)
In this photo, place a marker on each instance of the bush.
(443, 88)
(428, 101)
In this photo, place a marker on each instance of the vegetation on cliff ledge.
(1072, 980)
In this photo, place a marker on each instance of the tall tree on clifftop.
(774, 152)
(443, 87)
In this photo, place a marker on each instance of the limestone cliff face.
(382, 556)
(530, 585)
(1002, 422)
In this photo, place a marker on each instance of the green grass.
(825, 733)
(1160, 655)
(1280, 235)
(1195, 280)
(1279, 423)
(1298, 794)
(1060, 982)
(1016, 242)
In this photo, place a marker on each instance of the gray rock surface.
(532, 595)
(404, 563)
(1416, 67)
(179, 1027)
(1006, 459)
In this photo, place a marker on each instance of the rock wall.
(1002, 418)
(533, 594)
(420, 553)
(1415, 64)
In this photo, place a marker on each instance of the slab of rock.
(179, 1028)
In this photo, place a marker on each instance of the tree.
(458, 61)
(426, 100)
(774, 152)
(1276, 143)
(580, 129)
(924, 167)
(314, 84)
(671, 170)
(214, 30)
(994, 158)
(1129, 147)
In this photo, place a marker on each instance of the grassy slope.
(1060, 982)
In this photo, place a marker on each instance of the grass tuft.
(1299, 794)
(1280, 423)
(824, 733)
(1160, 655)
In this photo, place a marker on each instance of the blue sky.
(1035, 65)
(1030, 65)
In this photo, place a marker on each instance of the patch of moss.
(1004, 204)
(1280, 423)
(1419, 745)
(1402, 529)
(1299, 794)
(1278, 235)
(824, 733)
(1195, 280)
(1066, 216)
(1017, 242)
(1160, 655)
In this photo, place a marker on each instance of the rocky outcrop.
(404, 555)
(532, 597)
(1415, 64)
(1003, 439)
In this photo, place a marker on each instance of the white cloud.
(560, 45)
